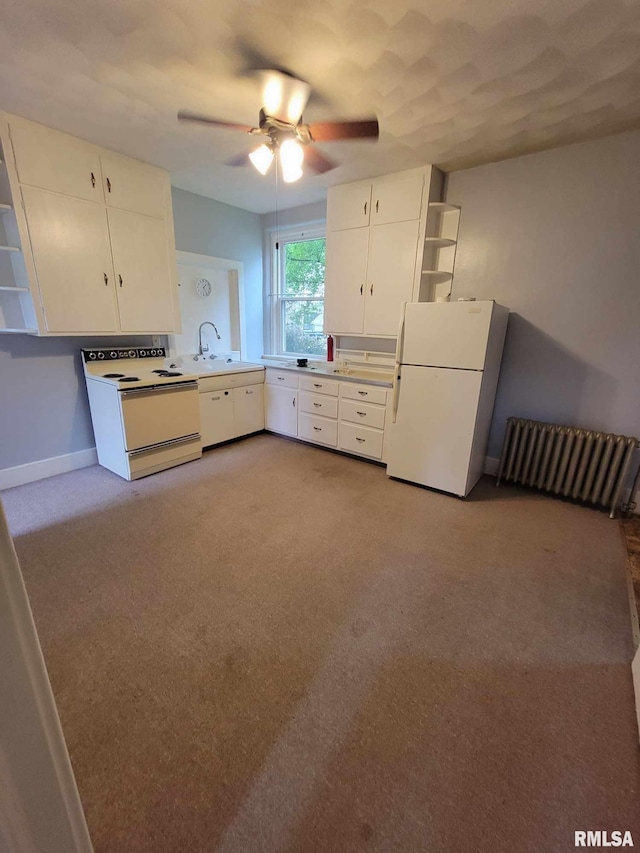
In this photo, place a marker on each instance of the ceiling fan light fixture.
(291, 159)
(262, 157)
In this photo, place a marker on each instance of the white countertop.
(383, 378)
(210, 367)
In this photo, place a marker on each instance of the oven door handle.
(193, 437)
(156, 389)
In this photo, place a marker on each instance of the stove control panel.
(109, 354)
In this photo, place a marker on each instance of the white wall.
(556, 237)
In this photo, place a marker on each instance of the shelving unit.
(17, 312)
(441, 240)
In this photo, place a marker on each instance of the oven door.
(160, 414)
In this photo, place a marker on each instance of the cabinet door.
(72, 255)
(281, 409)
(55, 161)
(132, 185)
(248, 409)
(345, 280)
(392, 261)
(216, 417)
(396, 200)
(348, 206)
(143, 278)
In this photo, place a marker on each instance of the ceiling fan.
(281, 129)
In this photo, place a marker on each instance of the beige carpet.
(280, 649)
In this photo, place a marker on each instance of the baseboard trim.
(43, 468)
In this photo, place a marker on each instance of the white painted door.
(390, 275)
(430, 442)
(281, 409)
(447, 334)
(396, 200)
(248, 409)
(72, 255)
(216, 417)
(141, 264)
(54, 161)
(345, 281)
(348, 206)
(132, 185)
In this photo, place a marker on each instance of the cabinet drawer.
(362, 413)
(319, 386)
(316, 404)
(366, 393)
(228, 380)
(362, 440)
(317, 429)
(281, 377)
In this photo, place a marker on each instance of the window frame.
(276, 300)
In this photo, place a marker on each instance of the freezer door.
(430, 442)
(447, 334)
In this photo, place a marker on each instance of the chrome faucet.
(201, 349)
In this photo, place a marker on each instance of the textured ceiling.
(453, 82)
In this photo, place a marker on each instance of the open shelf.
(10, 249)
(442, 206)
(5, 208)
(439, 242)
(441, 274)
(5, 289)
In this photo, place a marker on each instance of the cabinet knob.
(106, 279)
(365, 208)
(371, 290)
(120, 280)
(108, 185)
(361, 289)
(93, 180)
(293, 402)
(377, 205)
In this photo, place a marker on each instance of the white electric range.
(145, 416)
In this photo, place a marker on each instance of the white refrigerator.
(447, 365)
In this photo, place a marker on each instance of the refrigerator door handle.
(396, 375)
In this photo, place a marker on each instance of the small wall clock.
(203, 287)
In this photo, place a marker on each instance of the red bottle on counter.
(330, 348)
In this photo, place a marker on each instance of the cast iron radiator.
(576, 463)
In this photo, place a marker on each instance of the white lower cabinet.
(332, 412)
(321, 430)
(216, 417)
(248, 409)
(281, 408)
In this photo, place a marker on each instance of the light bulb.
(291, 158)
(261, 158)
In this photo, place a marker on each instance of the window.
(298, 298)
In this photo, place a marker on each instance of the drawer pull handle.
(371, 290)
(317, 384)
(317, 405)
(365, 208)
(378, 206)
(363, 393)
(361, 440)
(215, 398)
(106, 279)
(280, 378)
(361, 289)
(362, 414)
(108, 185)
(318, 429)
(248, 392)
(93, 180)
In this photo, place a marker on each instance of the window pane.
(304, 268)
(303, 327)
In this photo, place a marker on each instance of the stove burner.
(170, 373)
(163, 370)
(130, 379)
(113, 375)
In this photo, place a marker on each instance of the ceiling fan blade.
(326, 131)
(184, 115)
(238, 160)
(284, 96)
(317, 161)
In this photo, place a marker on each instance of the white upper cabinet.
(141, 266)
(392, 262)
(396, 200)
(55, 161)
(95, 232)
(131, 185)
(346, 280)
(348, 206)
(72, 256)
(384, 253)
